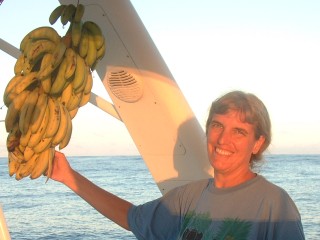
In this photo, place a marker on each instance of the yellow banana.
(26, 168)
(41, 164)
(68, 14)
(25, 82)
(39, 112)
(28, 153)
(14, 109)
(51, 62)
(54, 118)
(89, 83)
(44, 144)
(38, 49)
(18, 154)
(84, 43)
(71, 58)
(80, 75)
(66, 94)
(79, 13)
(18, 66)
(85, 99)
(44, 32)
(62, 127)
(13, 138)
(24, 139)
(9, 94)
(60, 80)
(27, 110)
(56, 13)
(74, 101)
(13, 164)
(73, 112)
(92, 52)
(76, 33)
(100, 55)
(96, 32)
(65, 141)
(37, 136)
(46, 84)
(50, 164)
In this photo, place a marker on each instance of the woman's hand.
(61, 169)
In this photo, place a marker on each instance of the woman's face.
(230, 143)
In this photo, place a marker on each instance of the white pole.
(4, 233)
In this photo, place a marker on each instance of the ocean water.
(38, 210)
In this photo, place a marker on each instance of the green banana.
(79, 13)
(76, 33)
(56, 13)
(68, 14)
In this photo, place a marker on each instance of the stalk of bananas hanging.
(52, 80)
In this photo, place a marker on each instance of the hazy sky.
(270, 48)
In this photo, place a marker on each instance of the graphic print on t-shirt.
(201, 227)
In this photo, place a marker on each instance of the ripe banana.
(85, 99)
(38, 49)
(24, 139)
(18, 66)
(80, 75)
(50, 63)
(41, 164)
(14, 109)
(27, 110)
(71, 58)
(66, 94)
(92, 51)
(37, 136)
(13, 164)
(56, 13)
(89, 82)
(62, 126)
(84, 43)
(46, 84)
(60, 80)
(40, 33)
(28, 153)
(74, 101)
(9, 94)
(96, 32)
(39, 112)
(25, 82)
(44, 144)
(54, 118)
(13, 138)
(66, 139)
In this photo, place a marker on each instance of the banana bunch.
(53, 79)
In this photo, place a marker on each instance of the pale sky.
(270, 48)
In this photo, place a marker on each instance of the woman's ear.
(258, 144)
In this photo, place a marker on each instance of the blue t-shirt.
(256, 209)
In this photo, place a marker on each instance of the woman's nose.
(224, 137)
